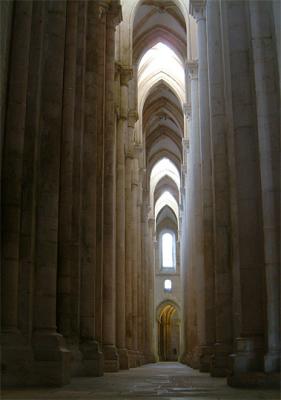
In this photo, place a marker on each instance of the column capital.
(185, 143)
(184, 171)
(103, 7)
(151, 222)
(133, 150)
(187, 110)
(192, 66)
(126, 74)
(132, 118)
(197, 8)
(114, 12)
(138, 148)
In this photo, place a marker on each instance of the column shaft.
(207, 276)
(109, 223)
(65, 266)
(121, 277)
(48, 345)
(196, 217)
(223, 282)
(245, 184)
(12, 163)
(128, 253)
(268, 117)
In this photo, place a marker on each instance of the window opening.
(167, 250)
(168, 285)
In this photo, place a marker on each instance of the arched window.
(168, 285)
(168, 250)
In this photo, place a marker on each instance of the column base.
(219, 360)
(141, 359)
(132, 359)
(272, 362)
(248, 356)
(123, 358)
(206, 353)
(52, 360)
(111, 358)
(76, 357)
(92, 359)
(150, 358)
(16, 360)
(183, 358)
(257, 380)
(192, 359)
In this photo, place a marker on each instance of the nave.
(140, 195)
(164, 380)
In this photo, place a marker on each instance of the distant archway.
(168, 333)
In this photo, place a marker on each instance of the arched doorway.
(168, 334)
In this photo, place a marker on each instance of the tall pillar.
(79, 108)
(184, 237)
(101, 85)
(268, 117)
(231, 19)
(125, 76)
(223, 322)
(152, 267)
(199, 12)
(15, 356)
(66, 307)
(134, 239)
(148, 283)
(141, 269)
(52, 360)
(128, 254)
(197, 217)
(92, 358)
(111, 358)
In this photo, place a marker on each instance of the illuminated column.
(111, 358)
(128, 260)
(121, 278)
(207, 284)
(197, 217)
(221, 189)
(268, 118)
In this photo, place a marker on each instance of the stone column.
(111, 358)
(140, 273)
(52, 360)
(134, 239)
(147, 244)
(152, 267)
(79, 108)
(223, 321)
(197, 217)
(101, 84)
(184, 237)
(128, 255)
(268, 117)
(198, 11)
(67, 263)
(125, 76)
(141, 267)
(245, 185)
(14, 354)
(92, 358)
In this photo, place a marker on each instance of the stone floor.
(164, 380)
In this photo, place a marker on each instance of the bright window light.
(162, 168)
(166, 199)
(167, 285)
(161, 58)
(167, 250)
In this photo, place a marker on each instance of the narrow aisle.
(165, 380)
